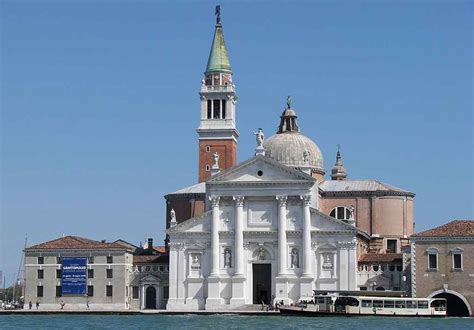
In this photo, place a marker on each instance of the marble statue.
(295, 258)
(260, 137)
(262, 253)
(216, 157)
(227, 258)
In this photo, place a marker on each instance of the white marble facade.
(261, 237)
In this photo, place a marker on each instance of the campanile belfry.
(217, 129)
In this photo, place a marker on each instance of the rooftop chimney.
(150, 244)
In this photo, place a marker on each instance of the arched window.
(342, 213)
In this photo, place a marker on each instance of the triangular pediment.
(260, 169)
(199, 223)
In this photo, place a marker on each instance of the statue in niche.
(262, 253)
(215, 156)
(227, 258)
(295, 258)
(260, 137)
(195, 262)
(327, 263)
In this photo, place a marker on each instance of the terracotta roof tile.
(151, 259)
(456, 228)
(75, 243)
(380, 257)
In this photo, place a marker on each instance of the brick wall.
(227, 150)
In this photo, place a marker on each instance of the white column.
(307, 271)
(215, 235)
(143, 298)
(282, 251)
(239, 235)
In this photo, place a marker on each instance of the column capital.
(306, 199)
(215, 200)
(239, 200)
(281, 200)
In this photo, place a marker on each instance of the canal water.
(227, 322)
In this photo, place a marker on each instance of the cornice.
(441, 238)
(359, 193)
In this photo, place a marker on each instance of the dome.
(295, 150)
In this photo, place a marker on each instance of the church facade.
(273, 227)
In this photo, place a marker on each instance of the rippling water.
(226, 322)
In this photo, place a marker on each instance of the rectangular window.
(209, 109)
(40, 273)
(59, 291)
(110, 273)
(90, 290)
(423, 304)
(135, 292)
(39, 291)
(400, 304)
(90, 260)
(166, 292)
(40, 260)
(378, 303)
(432, 261)
(58, 273)
(457, 261)
(110, 259)
(108, 290)
(217, 109)
(367, 303)
(411, 304)
(223, 108)
(388, 304)
(392, 245)
(90, 273)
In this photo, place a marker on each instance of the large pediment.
(260, 169)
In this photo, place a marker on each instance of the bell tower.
(217, 129)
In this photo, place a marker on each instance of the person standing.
(37, 304)
(30, 304)
(87, 304)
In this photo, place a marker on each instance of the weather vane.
(218, 14)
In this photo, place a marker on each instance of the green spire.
(218, 59)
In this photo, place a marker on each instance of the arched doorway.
(456, 306)
(150, 298)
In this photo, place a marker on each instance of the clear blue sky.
(100, 103)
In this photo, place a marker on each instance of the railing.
(225, 88)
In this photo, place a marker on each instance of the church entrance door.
(262, 283)
(150, 302)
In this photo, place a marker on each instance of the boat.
(328, 305)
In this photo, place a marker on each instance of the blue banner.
(74, 276)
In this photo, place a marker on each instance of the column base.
(238, 291)
(213, 292)
(306, 287)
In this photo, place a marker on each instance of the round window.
(259, 173)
